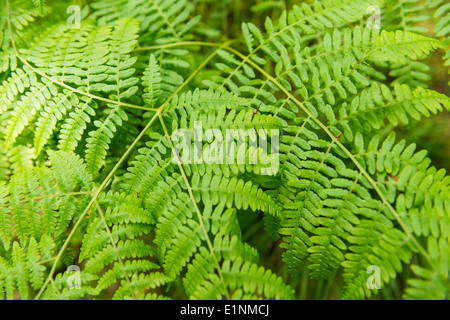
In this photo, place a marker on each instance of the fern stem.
(166, 20)
(178, 44)
(87, 94)
(39, 198)
(118, 164)
(90, 95)
(268, 40)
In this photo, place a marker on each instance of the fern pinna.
(88, 175)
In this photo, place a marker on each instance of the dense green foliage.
(86, 175)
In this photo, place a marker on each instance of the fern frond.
(442, 28)
(75, 124)
(401, 46)
(246, 281)
(120, 84)
(6, 230)
(141, 157)
(162, 21)
(152, 82)
(405, 15)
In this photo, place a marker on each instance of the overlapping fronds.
(134, 159)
